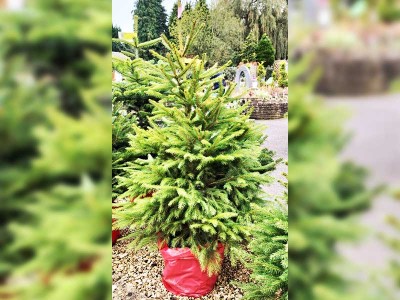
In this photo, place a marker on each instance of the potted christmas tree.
(203, 171)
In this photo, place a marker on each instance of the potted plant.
(203, 173)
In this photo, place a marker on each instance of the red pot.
(182, 274)
(116, 233)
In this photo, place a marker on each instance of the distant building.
(116, 76)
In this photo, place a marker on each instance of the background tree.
(265, 52)
(173, 17)
(227, 34)
(118, 46)
(248, 53)
(265, 17)
(283, 76)
(221, 36)
(152, 22)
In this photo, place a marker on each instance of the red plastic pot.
(182, 274)
(116, 233)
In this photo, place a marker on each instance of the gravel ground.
(137, 276)
(277, 141)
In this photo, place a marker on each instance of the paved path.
(375, 124)
(277, 131)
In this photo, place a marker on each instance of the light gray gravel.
(277, 132)
(137, 276)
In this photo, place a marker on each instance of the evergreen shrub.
(201, 161)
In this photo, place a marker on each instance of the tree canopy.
(152, 21)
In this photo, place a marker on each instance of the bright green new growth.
(55, 130)
(283, 76)
(269, 253)
(203, 169)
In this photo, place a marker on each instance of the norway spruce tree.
(201, 161)
(57, 181)
(268, 260)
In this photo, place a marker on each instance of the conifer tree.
(265, 51)
(269, 253)
(173, 17)
(122, 122)
(203, 170)
(249, 50)
(152, 22)
(61, 186)
(201, 13)
(283, 76)
(19, 115)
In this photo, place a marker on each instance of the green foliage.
(132, 91)
(173, 17)
(261, 17)
(266, 157)
(203, 169)
(118, 46)
(283, 80)
(59, 182)
(122, 123)
(201, 43)
(220, 36)
(52, 52)
(325, 194)
(274, 76)
(152, 22)
(269, 253)
(261, 73)
(249, 50)
(389, 10)
(265, 51)
(19, 115)
(394, 243)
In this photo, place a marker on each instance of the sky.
(122, 12)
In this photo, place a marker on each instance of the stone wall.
(355, 75)
(265, 110)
